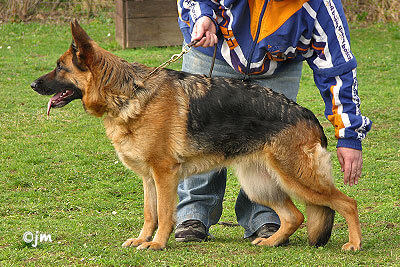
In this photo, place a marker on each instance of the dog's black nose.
(34, 85)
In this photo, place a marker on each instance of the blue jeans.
(201, 195)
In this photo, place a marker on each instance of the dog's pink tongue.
(51, 100)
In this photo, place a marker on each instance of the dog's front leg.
(166, 183)
(150, 214)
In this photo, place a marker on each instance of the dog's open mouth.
(60, 99)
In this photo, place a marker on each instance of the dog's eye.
(59, 67)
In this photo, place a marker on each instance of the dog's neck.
(121, 85)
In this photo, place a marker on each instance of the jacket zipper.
(250, 57)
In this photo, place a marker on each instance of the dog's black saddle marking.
(236, 117)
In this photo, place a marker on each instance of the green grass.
(61, 176)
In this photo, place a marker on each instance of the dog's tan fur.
(146, 120)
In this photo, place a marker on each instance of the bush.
(63, 10)
(51, 10)
(372, 10)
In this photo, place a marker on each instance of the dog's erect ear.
(77, 59)
(82, 43)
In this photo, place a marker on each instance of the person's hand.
(204, 31)
(351, 164)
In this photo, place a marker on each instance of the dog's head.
(72, 77)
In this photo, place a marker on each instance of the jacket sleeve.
(190, 11)
(335, 75)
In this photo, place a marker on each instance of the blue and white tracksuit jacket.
(260, 36)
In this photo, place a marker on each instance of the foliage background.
(54, 10)
(60, 10)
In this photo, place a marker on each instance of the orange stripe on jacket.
(335, 118)
(226, 20)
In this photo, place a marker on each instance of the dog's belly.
(200, 164)
(260, 182)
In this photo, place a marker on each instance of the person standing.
(266, 41)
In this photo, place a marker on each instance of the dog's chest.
(128, 146)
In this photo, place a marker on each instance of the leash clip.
(185, 49)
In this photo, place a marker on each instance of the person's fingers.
(195, 33)
(353, 172)
(356, 160)
(341, 161)
(351, 164)
(215, 39)
(345, 165)
(358, 170)
(200, 42)
(347, 172)
(208, 39)
(204, 32)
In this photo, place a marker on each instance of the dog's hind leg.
(261, 187)
(318, 189)
(313, 184)
(150, 215)
(347, 207)
(290, 217)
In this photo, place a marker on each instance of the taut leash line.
(213, 60)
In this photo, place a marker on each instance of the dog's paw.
(134, 242)
(351, 247)
(269, 242)
(260, 241)
(151, 245)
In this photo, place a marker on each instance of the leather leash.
(213, 60)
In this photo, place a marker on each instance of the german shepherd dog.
(173, 124)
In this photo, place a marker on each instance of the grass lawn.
(60, 176)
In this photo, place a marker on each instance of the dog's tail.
(319, 224)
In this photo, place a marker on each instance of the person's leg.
(251, 216)
(200, 199)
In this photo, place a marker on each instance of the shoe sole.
(189, 239)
